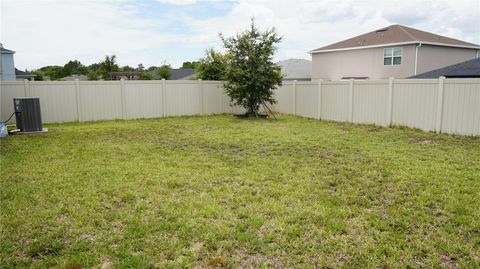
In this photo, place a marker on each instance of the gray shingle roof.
(299, 69)
(469, 68)
(395, 34)
(180, 73)
(4, 50)
(20, 73)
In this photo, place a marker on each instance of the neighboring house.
(7, 67)
(22, 75)
(177, 74)
(467, 69)
(74, 77)
(296, 69)
(394, 51)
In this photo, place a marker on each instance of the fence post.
(164, 97)
(77, 99)
(124, 103)
(438, 126)
(26, 88)
(319, 100)
(200, 84)
(350, 112)
(294, 97)
(390, 101)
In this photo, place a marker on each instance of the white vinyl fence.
(105, 100)
(441, 105)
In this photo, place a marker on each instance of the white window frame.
(392, 55)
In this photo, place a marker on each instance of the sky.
(155, 32)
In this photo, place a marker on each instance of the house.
(7, 67)
(176, 74)
(296, 69)
(22, 75)
(394, 51)
(467, 69)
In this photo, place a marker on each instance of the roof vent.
(381, 30)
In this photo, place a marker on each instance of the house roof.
(74, 77)
(20, 73)
(469, 69)
(6, 51)
(299, 69)
(180, 73)
(395, 34)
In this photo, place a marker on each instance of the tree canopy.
(213, 66)
(164, 72)
(107, 66)
(189, 64)
(251, 75)
(74, 67)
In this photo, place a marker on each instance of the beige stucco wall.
(361, 63)
(369, 62)
(434, 57)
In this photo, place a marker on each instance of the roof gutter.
(416, 57)
(397, 44)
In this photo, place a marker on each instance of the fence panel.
(143, 99)
(335, 100)
(57, 100)
(100, 100)
(306, 99)
(184, 98)
(370, 102)
(461, 107)
(283, 95)
(214, 98)
(415, 103)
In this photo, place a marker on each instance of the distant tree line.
(103, 70)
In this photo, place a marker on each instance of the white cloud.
(47, 32)
(53, 32)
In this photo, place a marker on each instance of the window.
(392, 56)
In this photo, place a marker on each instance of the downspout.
(477, 53)
(416, 57)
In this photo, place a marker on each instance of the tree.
(189, 64)
(213, 66)
(251, 75)
(152, 68)
(74, 67)
(127, 68)
(93, 67)
(92, 75)
(164, 71)
(145, 76)
(38, 75)
(54, 72)
(107, 66)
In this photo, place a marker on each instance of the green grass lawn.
(196, 192)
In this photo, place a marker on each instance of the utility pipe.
(416, 57)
